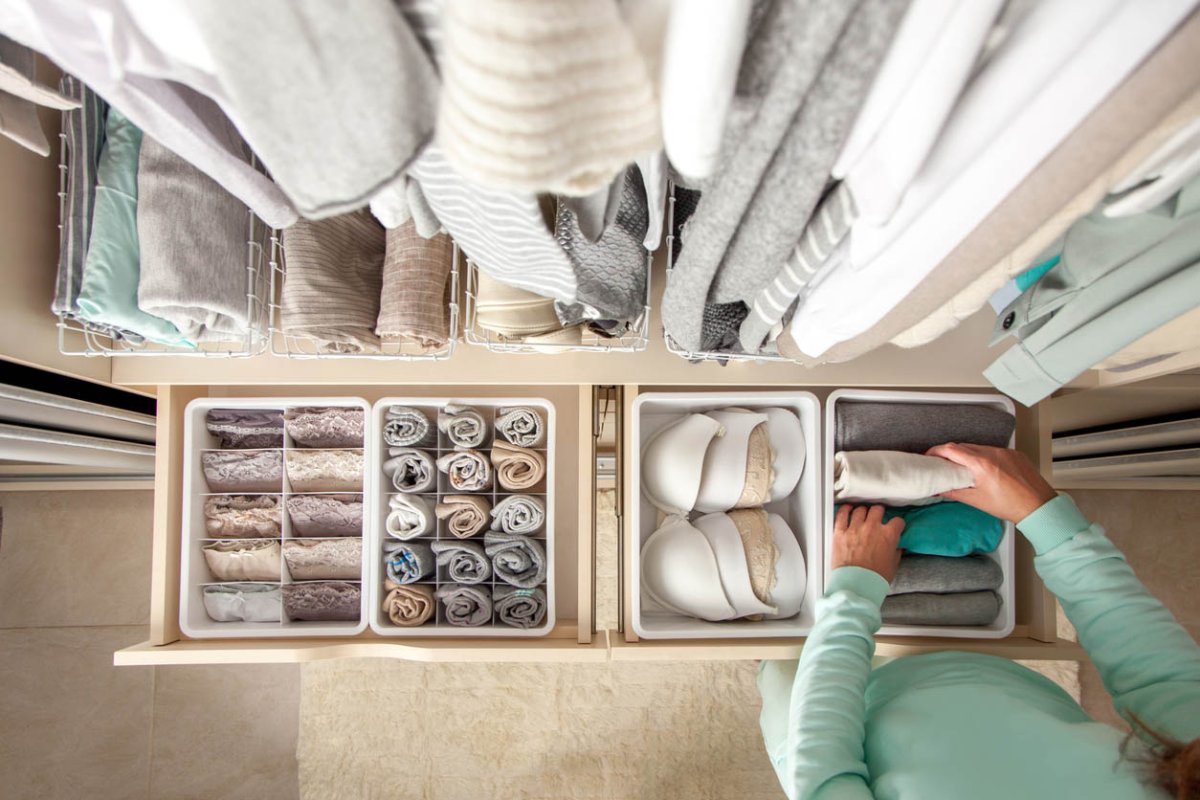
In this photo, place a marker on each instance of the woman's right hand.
(1007, 485)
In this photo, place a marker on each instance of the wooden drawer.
(1034, 637)
(572, 639)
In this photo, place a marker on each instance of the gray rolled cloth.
(243, 602)
(407, 562)
(610, 272)
(945, 574)
(323, 601)
(521, 425)
(192, 236)
(465, 562)
(926, 608)
(519, 514)
(239, 471)
(245, 428)
(463, 426)
(405, 427)
(334, 426)
(516, 560)
(84, 131)
(916, 427)
(520, 608)
(410, 470)
(466, 606)
(468, 470)
(325, 515)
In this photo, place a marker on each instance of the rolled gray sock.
(466, 606)
(410, 470)
(407, 562)
(519, 514)
(463, 425)
(520, 425)
(405, 427)
(465, 562)
(516, 560)
(520, 608)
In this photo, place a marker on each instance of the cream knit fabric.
(543, 95)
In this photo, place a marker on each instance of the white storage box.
(194, 620)
(439, 444)
(802, 511)
(1003, 624)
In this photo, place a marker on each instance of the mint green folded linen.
(946, 529)
(109, 290)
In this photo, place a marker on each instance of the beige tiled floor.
(74, 587)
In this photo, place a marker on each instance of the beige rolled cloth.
(892, 478)
(517, 468)
(465, 514)
(410, 605)
(243, 560)
(412, 306)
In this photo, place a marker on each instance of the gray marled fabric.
(520, 608)
(465, 562)
(84, 129)
(945, 574)
(926, 608)
(916, 427)
(516, 560)
(466, 606)
(407, 562)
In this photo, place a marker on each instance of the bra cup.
(680, 572)
(673, 462)
(791, 575)
(727, 546)
(788, 444)
(724, 470)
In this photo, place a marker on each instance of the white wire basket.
(303, 347)
(77, 337)
(722, 356)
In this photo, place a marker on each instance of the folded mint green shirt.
(961, 725)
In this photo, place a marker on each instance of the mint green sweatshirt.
(960, 725)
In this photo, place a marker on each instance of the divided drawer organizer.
(437, 444)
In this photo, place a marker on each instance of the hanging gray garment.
(807, 69)
(610, 273)
(84, 131)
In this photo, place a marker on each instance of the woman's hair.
(1169, 763)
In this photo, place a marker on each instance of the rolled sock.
(892, 478)
(926, 608)
(516, 560)
(465, 515)
(407, 562)
(408, 606)
(520, 608)
(916, 427)
(325, 427)
(468, 470)
(231, 471)
(323, 559)
(328, 601)
(243, 602)
(517, 468)
(405, 427)
(242, 517)
(245, 428)
(326, 514)
(519, 514)
(943, 575)
(520, 425)
(466, 606)
(463, 426)
(410, 517)
(325, 470)
(465, 562)
(410, 470)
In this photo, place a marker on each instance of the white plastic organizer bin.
(195, 575)
(1004, 554)
(436, 445)
(802, 511)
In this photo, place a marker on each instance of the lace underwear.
(235, 471)
(326, 515)
(323, 602)
(314, 559)
(761, 553)
(246, 428)
(241, 517)
(243, 560)
(468, 470)
(325, 470)
(325, 427)
(759, 475)
(243, 602)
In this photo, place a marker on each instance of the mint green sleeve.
(813, 717)
(1148, 662)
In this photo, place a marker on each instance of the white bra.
(704, 462)
(702, 570)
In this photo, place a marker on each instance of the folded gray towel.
(323, 601)
(465, 562)
(336, 426)
(519, 514)
(520, 425)
(405, 427)
(466, 606)
(520, 608)
(407, 562)
(944, 574)
(516, 560)
(411, 470)
(463, 425)
(916, 427)
(924, 608)
(245, 428)
(237, 471)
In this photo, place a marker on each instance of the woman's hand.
(861, 539)
(1007, 485)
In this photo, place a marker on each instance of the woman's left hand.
(862, 539)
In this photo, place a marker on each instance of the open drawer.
(1034, 636)
(571, 639)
